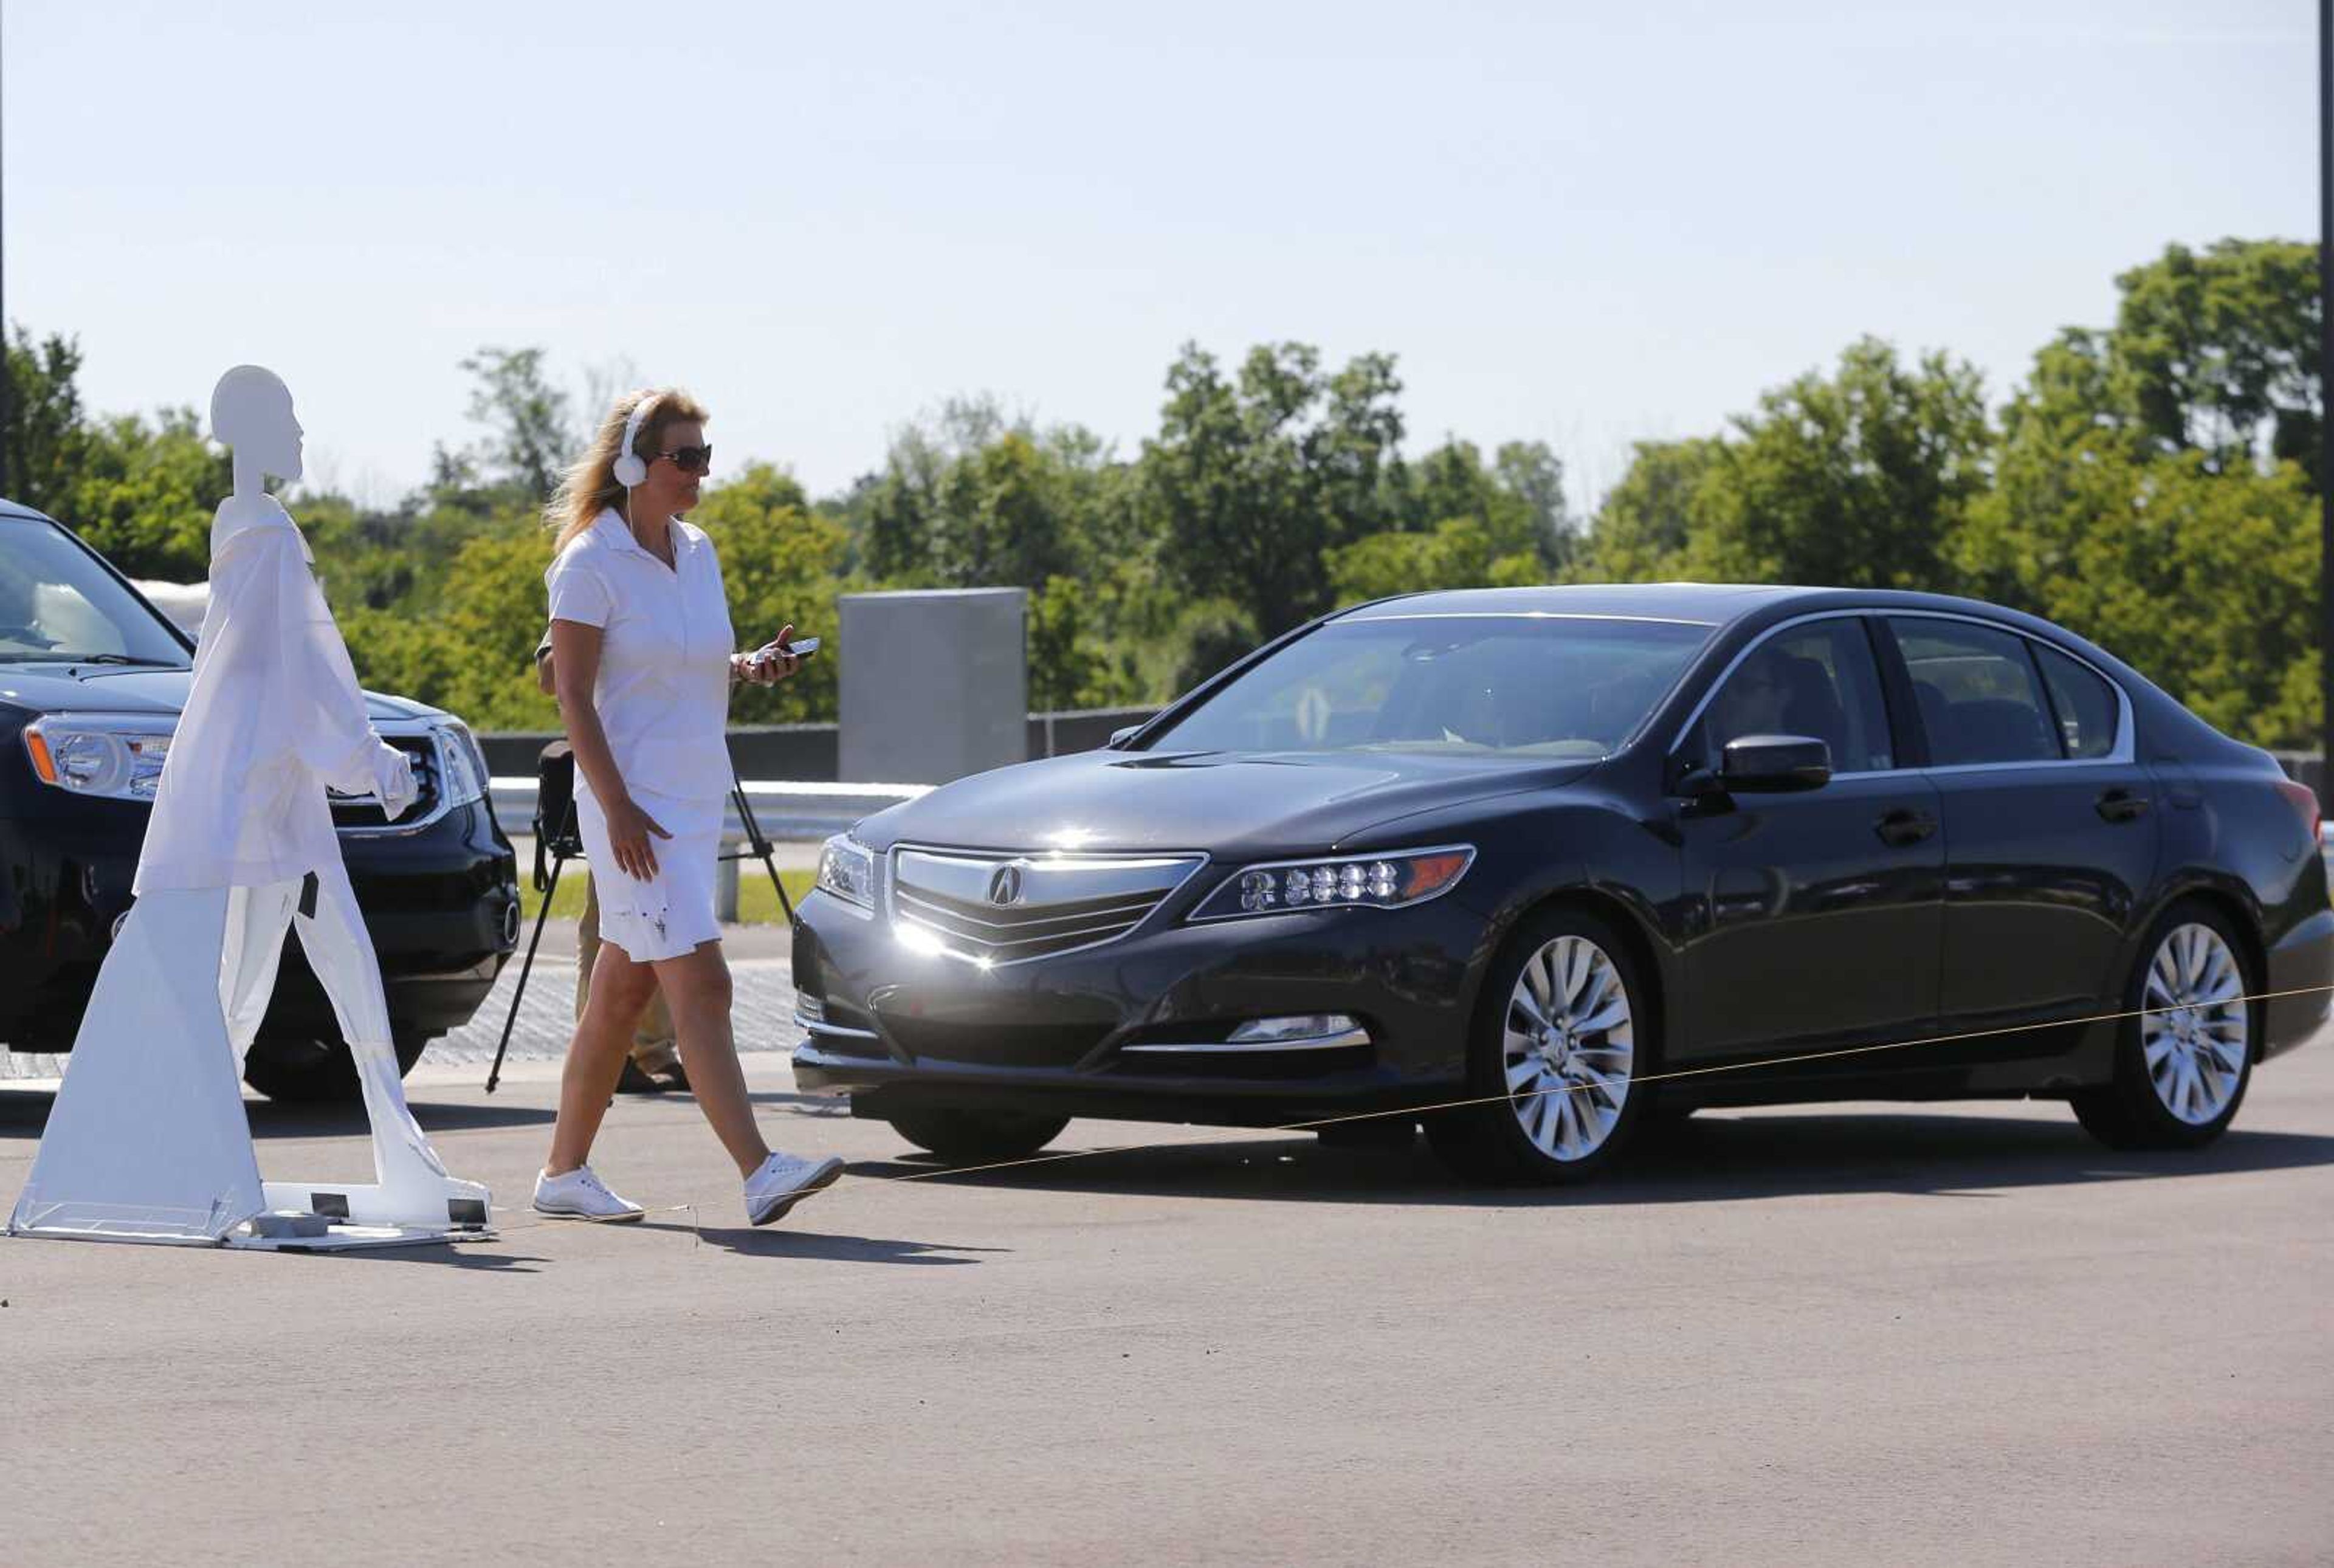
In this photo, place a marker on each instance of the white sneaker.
(580, 1195)
(784, 1180)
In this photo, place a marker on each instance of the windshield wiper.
(108, 659)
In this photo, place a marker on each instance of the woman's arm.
(576, 667)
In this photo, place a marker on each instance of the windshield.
(57, 603)
(1524, 685)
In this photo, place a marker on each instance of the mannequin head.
(251, 412)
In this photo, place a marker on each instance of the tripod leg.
(494, 1073)
(761, 845)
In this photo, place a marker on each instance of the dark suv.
(91, 681)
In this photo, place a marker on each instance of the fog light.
(809, 1009)
(1303, 1026)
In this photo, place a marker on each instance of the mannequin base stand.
(567, 844)
(147, 1139)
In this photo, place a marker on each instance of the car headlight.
(1392, 881)
(847, 869)
(114, 756)
(464, 765)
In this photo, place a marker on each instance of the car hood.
(1247, 804)
(113, 689)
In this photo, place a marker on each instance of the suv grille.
(365, 812)
(1010, 909)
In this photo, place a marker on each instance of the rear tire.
(978, 1137)
(2182, 1067)
(294, 1069)
(1562, 1033)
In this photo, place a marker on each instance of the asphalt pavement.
(1906, 1334)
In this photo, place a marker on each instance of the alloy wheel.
(1568, 1048)
(2195, 1035)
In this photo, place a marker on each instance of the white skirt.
(670, 913)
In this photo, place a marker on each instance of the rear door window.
(1979, 697)
(2085, 703)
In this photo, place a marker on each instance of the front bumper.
(906, 1028)
(440, 904)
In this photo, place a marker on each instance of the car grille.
(365, 812)
(1010, 909)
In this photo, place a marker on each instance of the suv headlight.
(464, 765)
(113, 757)
(1392, 881)
(847, 869)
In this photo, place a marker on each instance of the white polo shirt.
(663, 687)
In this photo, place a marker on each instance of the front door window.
(1817, 680)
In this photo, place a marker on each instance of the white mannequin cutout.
(147, 1141)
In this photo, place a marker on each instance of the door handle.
(2121, 805)
(1905, 826)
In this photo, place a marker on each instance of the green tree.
(1253, 480)
(1458, 554)
(1002, 517)
(1517, 501)
(43, 437)
(146, 493)
(1858, 479)
(2205, 580)
(1648, 520)
(2216, 351)
(530, 423)
(780, 562)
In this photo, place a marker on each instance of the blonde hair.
(589, 488)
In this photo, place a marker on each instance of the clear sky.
(1580, 223)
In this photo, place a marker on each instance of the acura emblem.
(1004, 885)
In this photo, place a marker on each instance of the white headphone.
(628, 469)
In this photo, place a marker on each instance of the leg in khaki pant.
(656, 1045)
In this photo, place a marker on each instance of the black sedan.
(1581, 856)
(91, 679)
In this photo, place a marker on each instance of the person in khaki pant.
(655, 1062)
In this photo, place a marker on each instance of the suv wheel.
(978, 1137)
(304, 1070)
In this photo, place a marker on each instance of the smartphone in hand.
(802, 648)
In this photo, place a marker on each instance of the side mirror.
(1775, 764)
(1119, 738)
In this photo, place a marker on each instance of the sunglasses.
(689, 460)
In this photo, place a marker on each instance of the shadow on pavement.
(269, 1120)
(807, 1243)
(1714, 1158)
(445, 1254)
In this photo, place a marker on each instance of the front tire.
(309, 1071)
(2184, 1060)
(1560, 1037)
(978, 1137)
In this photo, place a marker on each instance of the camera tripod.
(567, 844)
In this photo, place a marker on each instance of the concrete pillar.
(935, 684)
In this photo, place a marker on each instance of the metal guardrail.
(786, 808)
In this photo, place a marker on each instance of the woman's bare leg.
(696, 988)
(595, 1056)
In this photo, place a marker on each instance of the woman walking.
(642, 658)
